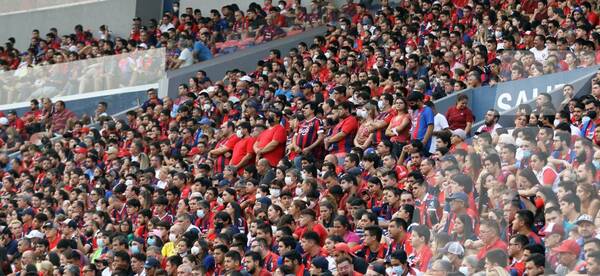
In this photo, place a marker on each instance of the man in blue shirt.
(422, 119)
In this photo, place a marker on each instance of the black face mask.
(271, 120)
(592, 114)
(89, 233)
(219, 225)
(414, 107)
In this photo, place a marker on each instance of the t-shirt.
(439, 123)
(421, 119)
(349, 126)
(187, 56)
(240, 150)
(275, 133)
(202, 52)
(458, 118)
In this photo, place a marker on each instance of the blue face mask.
(135, 249)
(596, 164)
(100, 243)
(151, 241)
(200, 213)
(398, 270)
(526, 153)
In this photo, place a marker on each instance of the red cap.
(194, 151)
(81, 150)
(123, 153)
(568, 246)
(343, 247)
(554, 228)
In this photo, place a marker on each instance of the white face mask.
(239, 133)
(195, 250)
(299, 192)
(498, 34)
(274, 192)
(556, 122)
(464, 270)
(172, 237)
(380, 104)
(288, 180)
(328, 55)
(361, 113)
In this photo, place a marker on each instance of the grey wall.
(117, 14)
(244, 60)
(207, 5)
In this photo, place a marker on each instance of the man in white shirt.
(540, 51)
(166, 24)
(439, 123)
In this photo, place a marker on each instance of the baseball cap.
(584, 218)
(321, 263)
(554, 228)
(454, 248)
(35, 234)
(568, 246)
(343, 247)
(460, 133)
(459, 196)
(29, 211)
(246, 78)
(49, 224)
(151, 262)
(506, 139)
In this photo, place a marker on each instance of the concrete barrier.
(116, 14)
(244, 60)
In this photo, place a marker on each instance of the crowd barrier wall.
(116, 14)
(245, 60)
(506, 96)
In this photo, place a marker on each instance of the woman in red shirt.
(399, 128)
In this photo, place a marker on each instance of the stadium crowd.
(188, 35)
(330, 159)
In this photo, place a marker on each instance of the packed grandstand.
(327, 159)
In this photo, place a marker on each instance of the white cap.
(3, 121)
(234, 99)
(506, 139)
(246, 78)
(35, 234)
(195, 195)
(143, 45)
(454, 248)
(460, 133)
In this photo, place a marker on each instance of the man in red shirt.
(307, 223)
(254, 264)
(340, 141)
(15, 122)
(269, 259)
(489, 234)
(222, 151)
(243, 150)
(311, 245)
(460, 116)
(515, 252)
(422, 253)
(270, 144)
(52, 234)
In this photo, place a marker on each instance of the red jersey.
(223, 161)
(240, 150)
(274, 133)
(349, 126)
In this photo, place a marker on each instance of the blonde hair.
(45, 267)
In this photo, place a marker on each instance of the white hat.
(143, 45)
(454, 248)
(3, 121)
(506, 139)
(195, 195)
(460, 133)
(246, 78)
(35, 234)
(234, 99)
